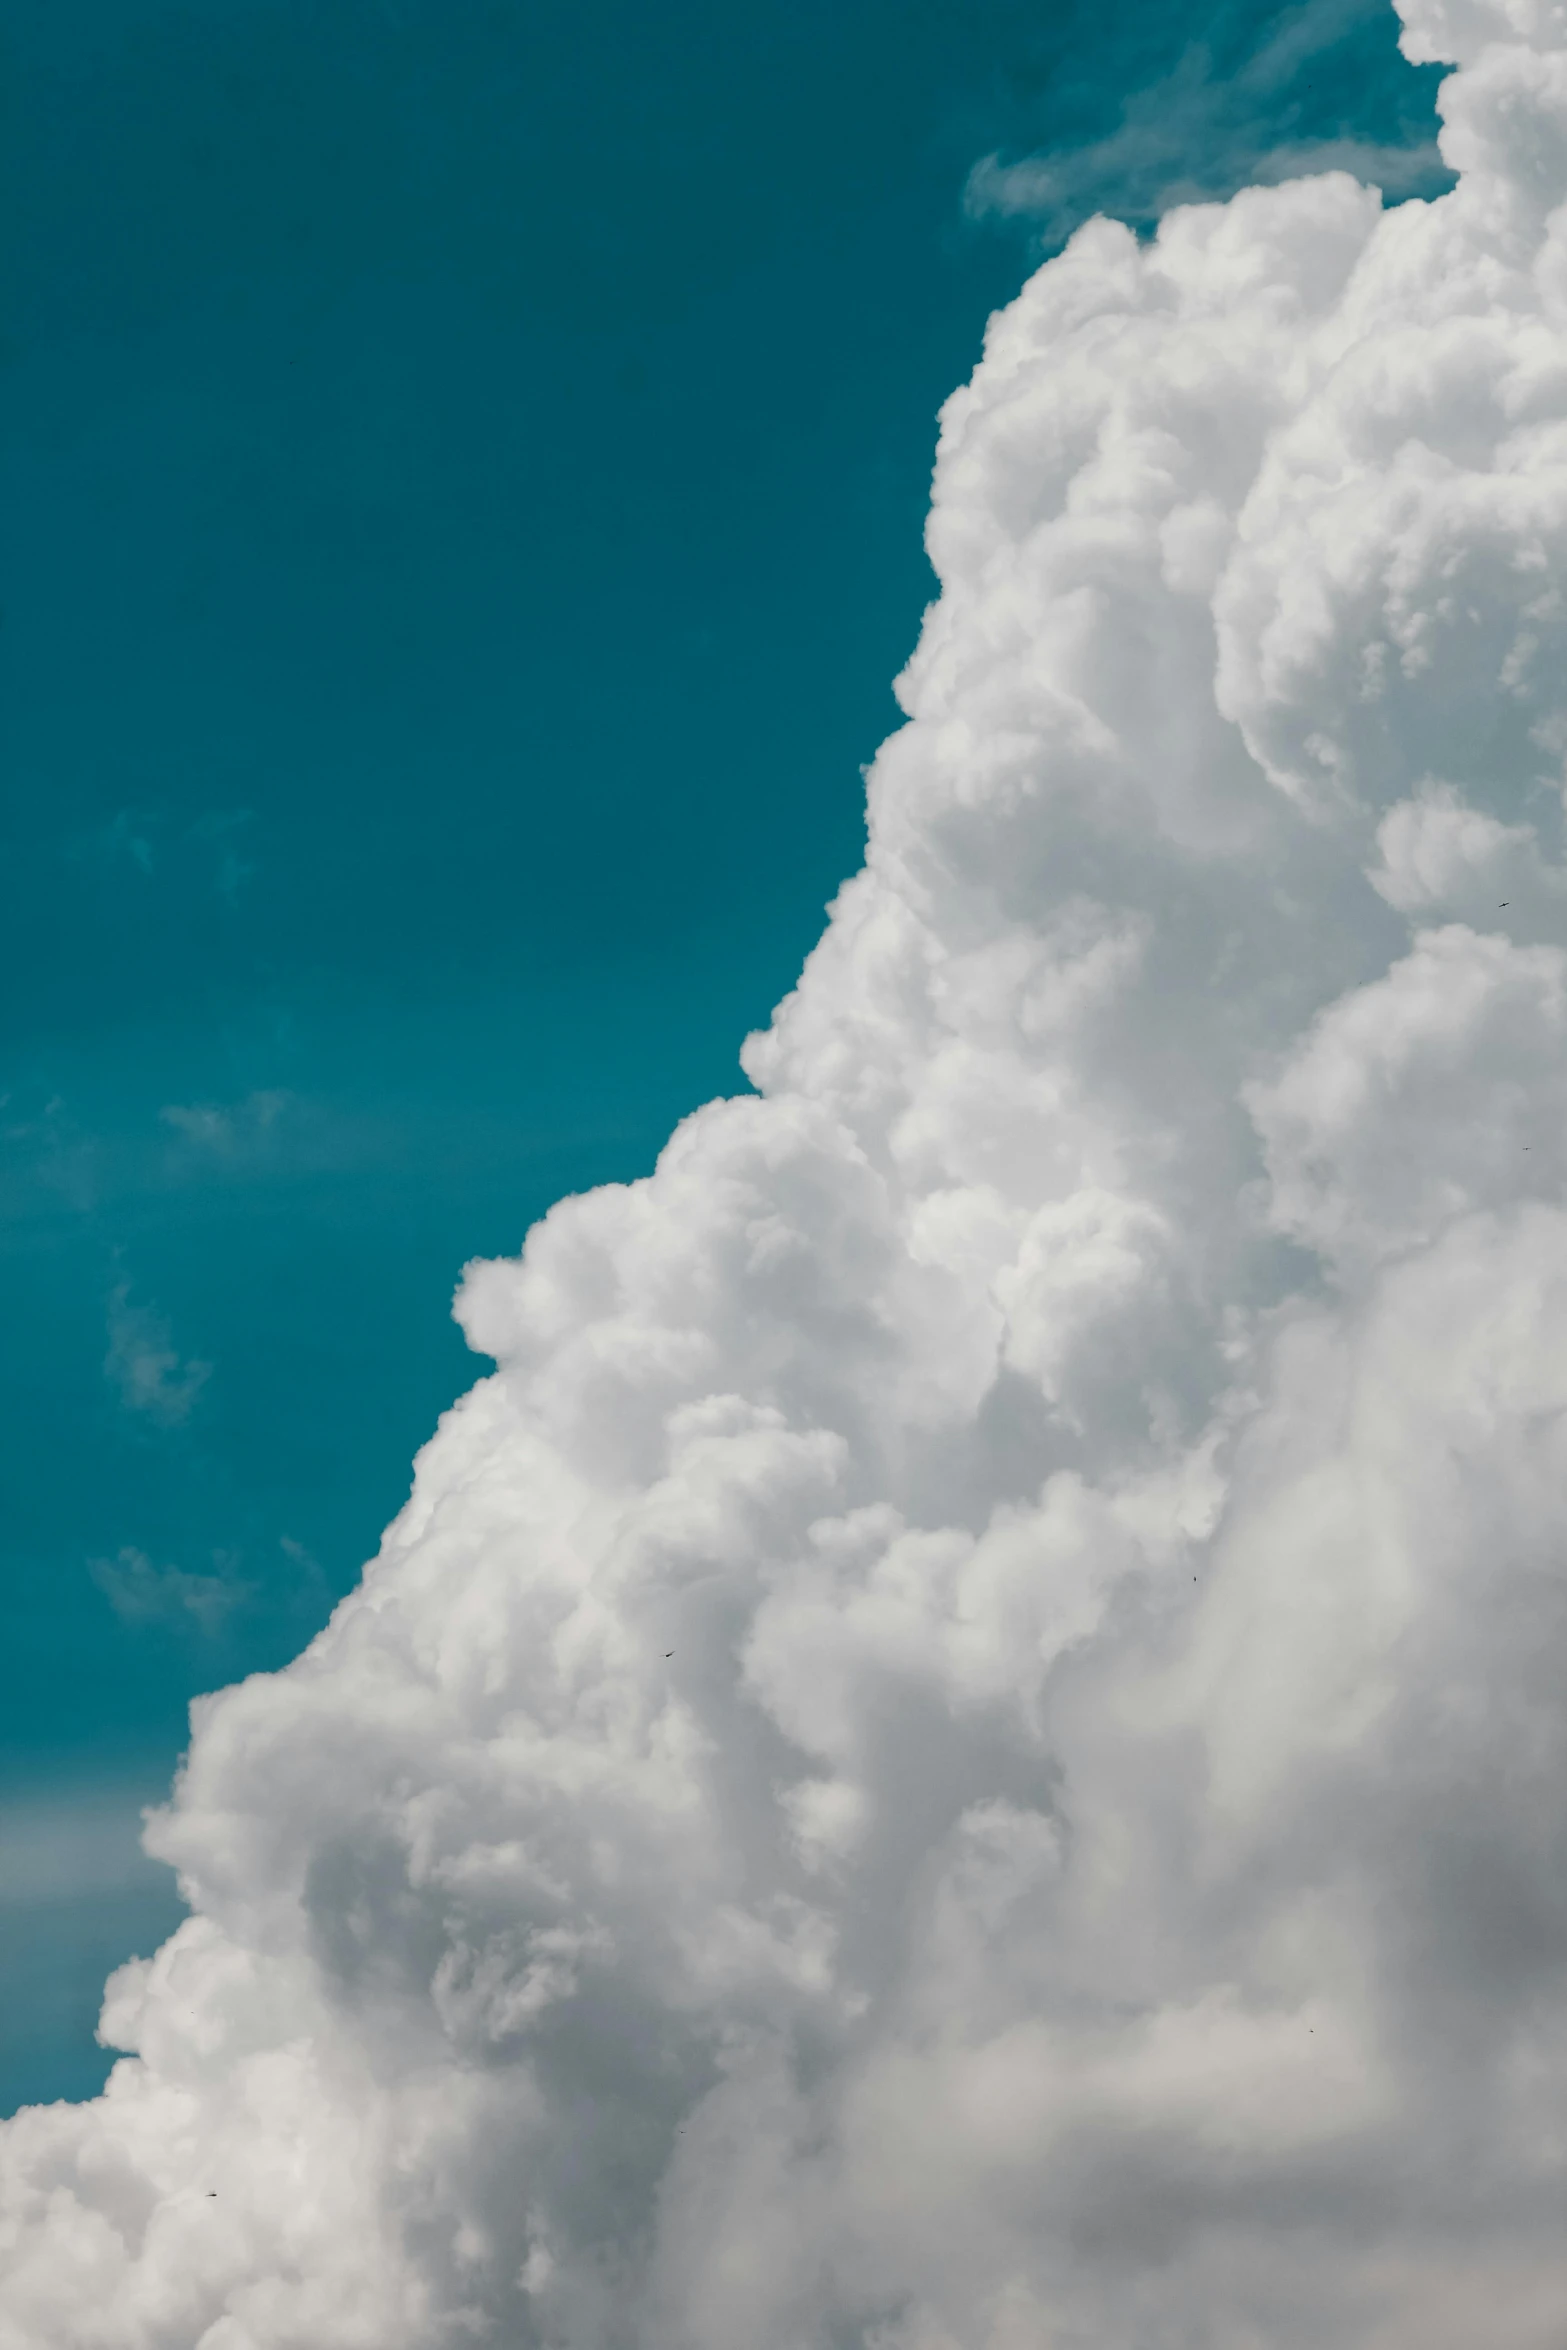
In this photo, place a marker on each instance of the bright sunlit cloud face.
(963, 1747)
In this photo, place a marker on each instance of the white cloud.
(1204, 129)
(139, 1592)
(964, 1745)
(146, 1366)
(225, 1130)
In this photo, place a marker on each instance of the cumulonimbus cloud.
(964, 1746)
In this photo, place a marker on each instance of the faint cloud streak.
(224, 1130)
(141, 1593)
(145, 1365)
(1199, 133)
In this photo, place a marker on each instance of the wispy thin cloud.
(73, 1841)
(225, 1129)
(220, 828)
(45, 1145)
(145, 1365)
(1201, 132)
(141, 1593)
(127, 839)
(150, 841)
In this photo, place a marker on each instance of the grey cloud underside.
(964, 1747)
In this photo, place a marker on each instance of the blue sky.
(464, 468)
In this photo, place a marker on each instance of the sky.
(955, 1737)
(465, 472)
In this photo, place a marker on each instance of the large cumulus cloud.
(964, 1746)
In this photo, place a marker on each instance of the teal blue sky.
(464, 464)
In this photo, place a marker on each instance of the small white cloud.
(225, 1129)
(144, 1364)
(200, 1123)
(141, 1593)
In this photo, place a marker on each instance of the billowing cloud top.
(965, 1748)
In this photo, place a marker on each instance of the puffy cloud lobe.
(1435, 1090)
(963, 1745)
